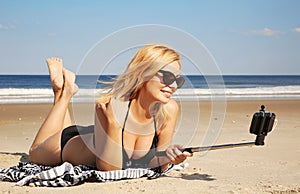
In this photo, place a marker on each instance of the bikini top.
(131, 125)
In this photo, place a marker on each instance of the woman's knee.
(33, 156)
(42, 155)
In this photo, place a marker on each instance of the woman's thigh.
(48, 152)
(77, 151)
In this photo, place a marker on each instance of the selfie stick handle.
(217, 147)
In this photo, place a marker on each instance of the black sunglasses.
(169, 78)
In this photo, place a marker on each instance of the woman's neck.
(141, 108)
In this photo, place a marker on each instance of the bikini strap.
(126, 117)
(155, 128)
(158, 168)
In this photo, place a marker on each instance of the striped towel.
(68, 175)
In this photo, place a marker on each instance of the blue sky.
(244, 36)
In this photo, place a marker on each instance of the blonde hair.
(147, 61)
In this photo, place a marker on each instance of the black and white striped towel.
(69, 175)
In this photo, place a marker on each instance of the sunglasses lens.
(180, 81)
(168, 78)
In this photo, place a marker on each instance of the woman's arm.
(165, 136)
(108, 140)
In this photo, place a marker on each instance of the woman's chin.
(164, 99)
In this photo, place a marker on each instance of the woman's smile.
(167, 93)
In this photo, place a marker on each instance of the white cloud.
(2, 27)
(296, 30)
(7, 27)
(11, 26)
(265, 32)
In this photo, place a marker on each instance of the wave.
(278, 92)
(22, 95)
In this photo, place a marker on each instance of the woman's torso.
(138, 139)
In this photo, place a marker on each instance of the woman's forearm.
(108, 143)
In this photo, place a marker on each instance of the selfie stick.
(217, 147)
(261, 124)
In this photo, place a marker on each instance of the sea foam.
(35, 95)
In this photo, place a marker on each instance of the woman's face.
(156, 90)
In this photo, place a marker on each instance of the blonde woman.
(134, 118)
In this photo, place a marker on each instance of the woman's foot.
(69, 86)
(55, 67)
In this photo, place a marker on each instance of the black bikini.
(72, 131)
(142, 162)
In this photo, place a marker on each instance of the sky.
(244, 37)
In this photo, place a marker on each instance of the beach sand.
(273, 168)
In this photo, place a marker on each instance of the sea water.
(37, 88)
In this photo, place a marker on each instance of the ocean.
(37, 88)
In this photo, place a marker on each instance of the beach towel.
(68, 175)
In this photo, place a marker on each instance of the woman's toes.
(55, 67)
(75, 89)
(70, 88)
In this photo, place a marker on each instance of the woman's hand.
(176, 154)
(105, 115)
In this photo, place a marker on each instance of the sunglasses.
(169, 78)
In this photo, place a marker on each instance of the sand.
(273, 168)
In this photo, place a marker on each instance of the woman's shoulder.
(168, 123)
(172, 106)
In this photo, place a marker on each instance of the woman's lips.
(166, 93)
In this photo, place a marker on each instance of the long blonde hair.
(147, 61)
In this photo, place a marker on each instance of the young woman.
(134, 118)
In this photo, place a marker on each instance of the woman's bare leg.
(55, 67)
(45, 148)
